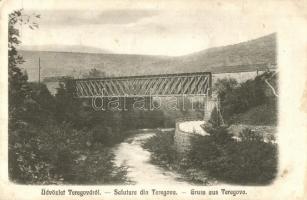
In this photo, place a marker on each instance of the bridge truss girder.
(153, 85)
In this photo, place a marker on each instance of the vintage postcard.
(153, 99)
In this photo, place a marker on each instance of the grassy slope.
(65, 63)
(219, 59)
(259, 115)
(261, 50)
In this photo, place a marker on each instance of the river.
(140, 171)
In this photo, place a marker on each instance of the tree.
(17, 80)
(18, 89)
(224, 86)
(23, 160)
(69, 109)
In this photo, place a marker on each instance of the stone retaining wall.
(182, 139)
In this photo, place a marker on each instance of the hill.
(231, 58)
(76, 64)
(245, 56)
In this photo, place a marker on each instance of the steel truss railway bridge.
(193, 84)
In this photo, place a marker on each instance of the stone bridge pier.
(187, 128)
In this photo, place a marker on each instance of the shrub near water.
(162, 147)
(249, 161)
(164, 154)
(218, 156)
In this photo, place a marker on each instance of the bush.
(265, 114)
(96, 166)
(238, 98)
(203, 151)
(250, 161)
(247, 135)
(163, 150)
(220, 136)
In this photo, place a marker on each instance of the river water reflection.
(140, 171)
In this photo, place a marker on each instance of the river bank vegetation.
(60, 139)
(244, 159)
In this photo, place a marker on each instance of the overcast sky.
(156, 30)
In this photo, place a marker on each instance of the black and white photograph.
(120, 94)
